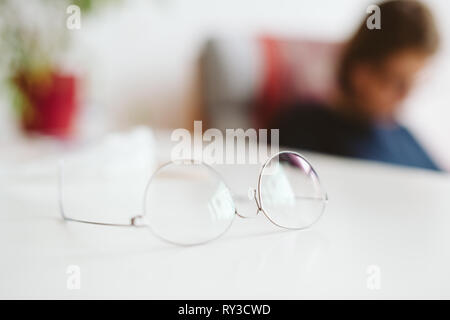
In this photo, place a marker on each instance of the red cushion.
(294, 71)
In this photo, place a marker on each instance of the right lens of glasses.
(290, 192)
(187, 203)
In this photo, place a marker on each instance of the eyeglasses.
(188, 202)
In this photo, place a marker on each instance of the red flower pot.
(51, 103)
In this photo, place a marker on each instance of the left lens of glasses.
(187, 203)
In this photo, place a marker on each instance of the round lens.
(290, 193)
(188, 203)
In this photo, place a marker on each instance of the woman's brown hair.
(405, 24)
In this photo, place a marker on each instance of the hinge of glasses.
(138, 221)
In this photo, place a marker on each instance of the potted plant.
(33, 38)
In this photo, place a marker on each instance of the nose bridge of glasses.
(251, 196)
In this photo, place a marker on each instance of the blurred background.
(164, 63)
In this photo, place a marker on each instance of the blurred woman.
(376, 72)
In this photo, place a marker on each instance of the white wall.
(142, 55)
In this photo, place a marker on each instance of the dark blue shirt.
(317, 128)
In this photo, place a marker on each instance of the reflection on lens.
(188, 204)
(290, 192)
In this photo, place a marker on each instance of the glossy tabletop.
(385, 234)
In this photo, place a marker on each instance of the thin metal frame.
(260, 203)
(137, 221)
(190, 161)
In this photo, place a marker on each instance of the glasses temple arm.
(134, 221)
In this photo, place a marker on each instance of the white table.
(385, 234)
